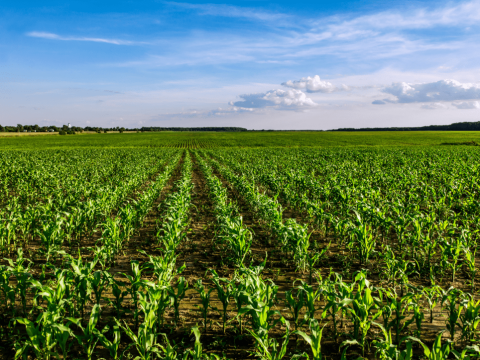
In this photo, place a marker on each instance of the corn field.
(198, 252)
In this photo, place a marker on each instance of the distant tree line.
(211, 128)
(65, 129)
(37, 128)
(460, 126)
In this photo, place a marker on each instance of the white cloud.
(313, 84)
(289, 99)
(443, 90)
(433, 106)
(467, 105)
(232, 11)
(51, 36)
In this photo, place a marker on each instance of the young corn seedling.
(470, 318)
(224, 293)
(310, 296)
(295, 303)
(312, 258)
(197, 352)
(136, 283)
(22, 275)
(438, 351)
(432, 295)
(119, 296)
(335, 302)
(238, 237)
(111, 345)
(453, 249)
(314, 339)
(176, 297)
(270, 348)
(47, 331)
(99, 282)
(469, 255)
(81, 277)
(416, 305)
(43, 337)
(363, 315)
(399, 306)
(145, 340)
(240, 297)
(469, 353)
(452, 297)
(89, 334)
(51, 235)
(386, 350)
(205, 300)
(364, 242)
(159, 294)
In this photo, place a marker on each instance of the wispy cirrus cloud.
(233, 12)
(51, 36)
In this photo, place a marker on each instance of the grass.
(244, 139)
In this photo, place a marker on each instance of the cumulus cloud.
(467, 105)
(313, 84)
(289, 99)
(443, 90)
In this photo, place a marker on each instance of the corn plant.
(205, 301)
(310, 296)
(469, 353)
(469, 260)
(82, 272)
(335, 301)
(438, 351)
(387, 350)
(470, 318)
(22, 275)
(314, 339)
(269, 348)
(238, 237)
(432, 295)
(399, 306)
(224, 293)
(99, 282)
(452, 297)
(43, 338)
(295, 303)
(145, 340)
(361, 310)
(197, 352)
(51, 236)
(363, 241)
(177, 296)
(136, 284)
(111, 345)
(88, 337)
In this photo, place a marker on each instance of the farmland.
(206, 246)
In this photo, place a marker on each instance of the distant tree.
(122, 129)
(2, 129)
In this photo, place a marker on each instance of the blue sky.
(257, 64)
